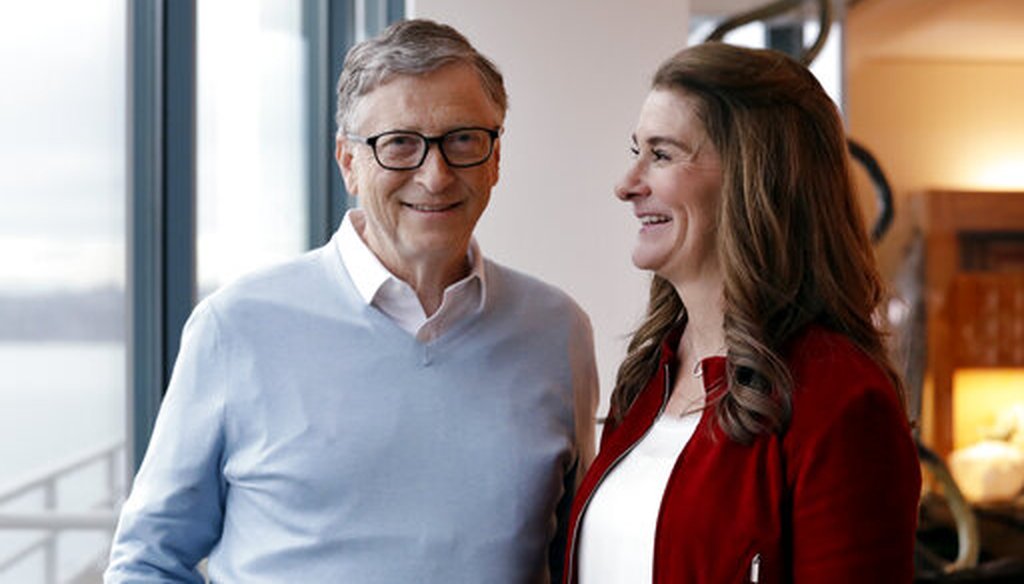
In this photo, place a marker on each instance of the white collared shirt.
(380, 288)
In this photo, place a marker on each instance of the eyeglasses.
(406, 150)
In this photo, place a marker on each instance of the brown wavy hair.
(791, 239)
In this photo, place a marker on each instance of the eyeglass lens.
(407, 149)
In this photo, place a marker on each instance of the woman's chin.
(645, 262)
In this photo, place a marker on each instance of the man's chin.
(435, 247)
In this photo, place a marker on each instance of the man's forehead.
(448, 97)
(460, 75)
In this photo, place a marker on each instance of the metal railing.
(52, 521)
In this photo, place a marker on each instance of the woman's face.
(674, 185)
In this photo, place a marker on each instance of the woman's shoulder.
(851, 464)
(820, 355)
(835, 384)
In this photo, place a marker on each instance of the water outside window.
(62, 283)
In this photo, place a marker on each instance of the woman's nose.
(631, 185)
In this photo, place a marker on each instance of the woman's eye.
(659, 155)
(634, 152)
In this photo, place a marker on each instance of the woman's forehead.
(670, 115)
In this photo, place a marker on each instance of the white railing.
(52, 521)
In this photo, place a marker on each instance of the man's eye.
(463, 138)
(396, 141)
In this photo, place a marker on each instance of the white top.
(617, 531)
(382, 289)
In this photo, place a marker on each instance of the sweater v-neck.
(383, 324)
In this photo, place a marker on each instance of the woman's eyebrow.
(663, 140)
(659, 140)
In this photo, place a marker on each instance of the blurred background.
(151, 151)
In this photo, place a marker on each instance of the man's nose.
(435, 175)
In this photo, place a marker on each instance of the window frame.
(161, 160)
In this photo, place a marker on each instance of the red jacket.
(831, 500)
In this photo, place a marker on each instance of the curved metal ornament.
(779, 8)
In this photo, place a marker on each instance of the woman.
(757, 431)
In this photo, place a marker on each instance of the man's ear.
(497, 162)
(344, 155)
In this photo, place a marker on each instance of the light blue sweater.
(305, 437)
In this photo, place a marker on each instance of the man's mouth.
(438, 208)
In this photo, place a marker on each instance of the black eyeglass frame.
(371, 141)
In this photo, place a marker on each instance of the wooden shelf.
(974, 292)
(988, 317)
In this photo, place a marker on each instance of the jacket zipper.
(583, 510)
(755, 569)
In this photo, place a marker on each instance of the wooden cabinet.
(974, 293)
(988, 317)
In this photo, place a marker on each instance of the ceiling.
(723, 7)
(970, 30)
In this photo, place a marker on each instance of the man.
(392, 407)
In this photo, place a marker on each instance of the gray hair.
(410, 47)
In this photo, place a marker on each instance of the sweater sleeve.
(856, 487)
(585, 395)
(174, 514)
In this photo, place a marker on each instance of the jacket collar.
(712, 368)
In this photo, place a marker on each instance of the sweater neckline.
(348, 293)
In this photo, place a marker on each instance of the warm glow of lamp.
(1005, 173)
(979, 396)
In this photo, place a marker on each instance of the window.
(62, 286)
(252, 147)
(80, 234)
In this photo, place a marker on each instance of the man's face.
(426, 215)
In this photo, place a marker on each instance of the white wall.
(938, 123)
(576, 72)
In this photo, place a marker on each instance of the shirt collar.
(369, 274)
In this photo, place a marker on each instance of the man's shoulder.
(296, 280)
(512, 286)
